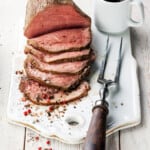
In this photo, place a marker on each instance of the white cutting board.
(124, 101)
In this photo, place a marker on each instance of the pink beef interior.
(57, 80)
(66, 67)
(63, 40)
(48, 95)
(56, 17)
(64, 56)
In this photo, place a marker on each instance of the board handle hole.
(74, 121)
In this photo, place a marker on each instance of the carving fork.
(95, 139)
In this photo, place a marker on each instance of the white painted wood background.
(18, 138)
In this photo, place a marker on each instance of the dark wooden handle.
(95, 139)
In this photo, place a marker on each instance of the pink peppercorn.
(37, 138)
(29, 111)
(25, 113)
(39, 148)
(51, 108)
(48, 142)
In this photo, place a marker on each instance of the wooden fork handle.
(95, 139)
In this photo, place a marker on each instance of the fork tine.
(103, 64)
(117, 75)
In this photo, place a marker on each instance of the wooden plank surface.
(18, 138)
(11, 137)
(138, 138)
(34, 141)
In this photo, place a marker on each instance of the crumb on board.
(35, 121)
(23, 99)
(27, 105)
(74, 107)
(19, 72)
(121, 103)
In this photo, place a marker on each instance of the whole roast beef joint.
(58, 53)
(44, 16)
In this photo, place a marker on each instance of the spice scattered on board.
(39, 142)
(19, 72)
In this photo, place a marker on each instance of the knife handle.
(95, 139)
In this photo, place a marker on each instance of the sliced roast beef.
(60, 57)
(63, 40)
(67, 67)
(62, 81)
(44, 16)
(44, 95)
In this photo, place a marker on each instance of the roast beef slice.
(44, 16)
(63, 40)
(60, 57)
(44, 95)
(67, 67)
(62, 81)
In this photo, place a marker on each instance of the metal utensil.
(95, 139)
